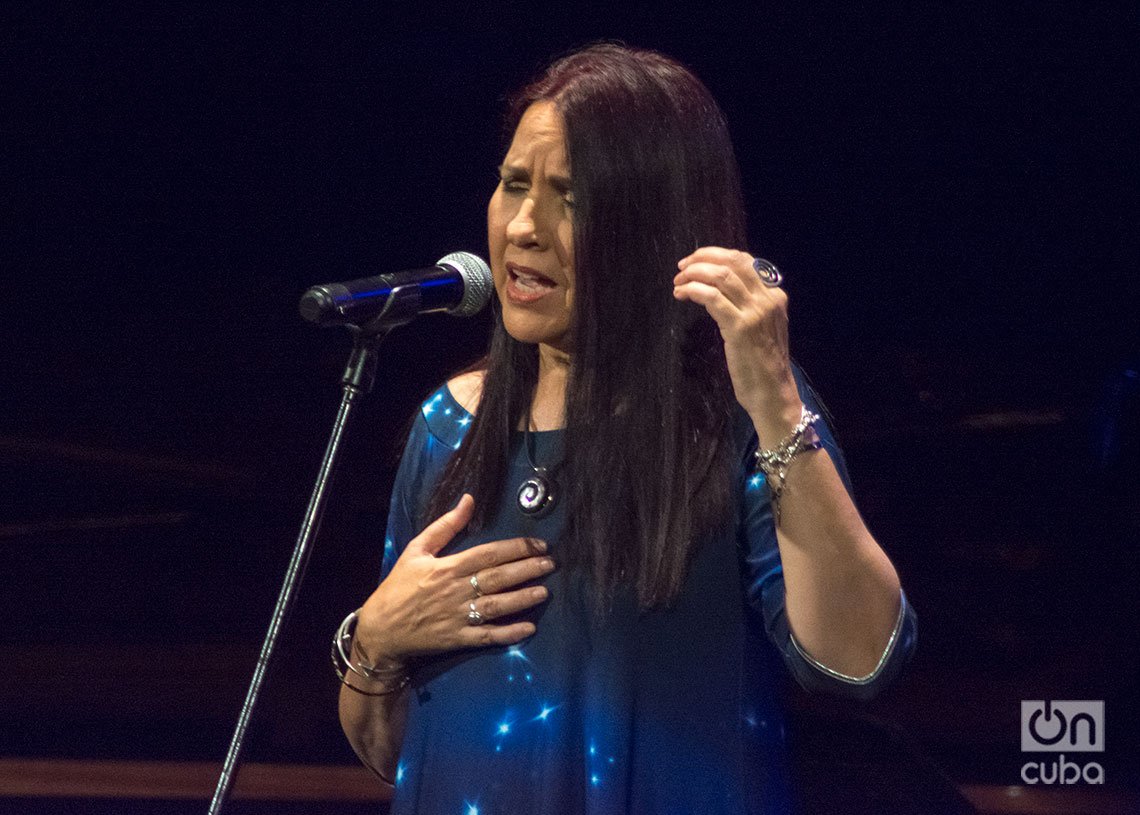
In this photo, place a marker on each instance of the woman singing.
(609, 538)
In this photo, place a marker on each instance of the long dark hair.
(649, 404)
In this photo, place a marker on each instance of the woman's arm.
(374, 725)
(842, 594)
(421, 608)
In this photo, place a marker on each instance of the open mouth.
(525, 285)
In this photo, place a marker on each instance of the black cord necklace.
(536, 494)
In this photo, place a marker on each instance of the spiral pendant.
(536, 496)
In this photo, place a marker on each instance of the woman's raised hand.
(753, 322)
(425, 604)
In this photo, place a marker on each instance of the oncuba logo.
(1065, 726)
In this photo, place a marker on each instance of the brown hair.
(649, 443)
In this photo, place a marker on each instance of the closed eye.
(518, 181)
(513, 180)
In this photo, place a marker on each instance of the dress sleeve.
(764, 585)
(407, 492)
(436, 433)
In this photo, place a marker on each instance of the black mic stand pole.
(359, 376)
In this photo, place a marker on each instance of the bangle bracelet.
(774, 463)
(342, 647)
(386, 692)
(382, 777)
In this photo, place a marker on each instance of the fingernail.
(540, 545)
(541, 593)
(547, 563)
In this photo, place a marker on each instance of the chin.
(533, 330)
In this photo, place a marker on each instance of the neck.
(547, 407)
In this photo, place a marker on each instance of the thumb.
(439, 532)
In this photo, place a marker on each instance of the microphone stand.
(359, 375)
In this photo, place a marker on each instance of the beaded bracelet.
(342, 647)
(774, 463)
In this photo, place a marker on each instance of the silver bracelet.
(341, 651)
(774, 463)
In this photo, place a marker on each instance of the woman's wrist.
(376, 686)
(775, 420)
(377, 662)
(369, 646)
(371, 679)
(774, 409)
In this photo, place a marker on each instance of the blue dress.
(672, 711)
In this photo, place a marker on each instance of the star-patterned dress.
(672, 711)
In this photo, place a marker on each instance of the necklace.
(536, 494)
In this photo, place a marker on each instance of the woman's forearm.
(374, 726)
(842, 593)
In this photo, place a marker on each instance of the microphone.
(459, 283)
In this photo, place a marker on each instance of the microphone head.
(477, 285)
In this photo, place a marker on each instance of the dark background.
(951, 192)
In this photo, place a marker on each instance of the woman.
(582, 626)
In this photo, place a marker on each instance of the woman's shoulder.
(447, 411)
(466, 389)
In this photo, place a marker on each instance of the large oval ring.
(769, 275)
(473, 616)
(475, 585)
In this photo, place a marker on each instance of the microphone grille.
(477, 285)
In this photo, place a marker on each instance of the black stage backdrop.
(950, 190)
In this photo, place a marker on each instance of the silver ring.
(769, 275)
(475, 585)
(473, 616)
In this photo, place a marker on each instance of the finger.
(489, 555)
(735, 259)
(716, 254)
(439, 532)
(493, 606)
(716, 304)
(474, 636)
(501, 578)
(725, 278)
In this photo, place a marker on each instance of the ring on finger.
(473, 615)
(769, 275)
(475, 585)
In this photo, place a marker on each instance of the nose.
(522, 230)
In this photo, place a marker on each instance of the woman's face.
(529, 232)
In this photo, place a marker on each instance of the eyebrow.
(560, 182)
